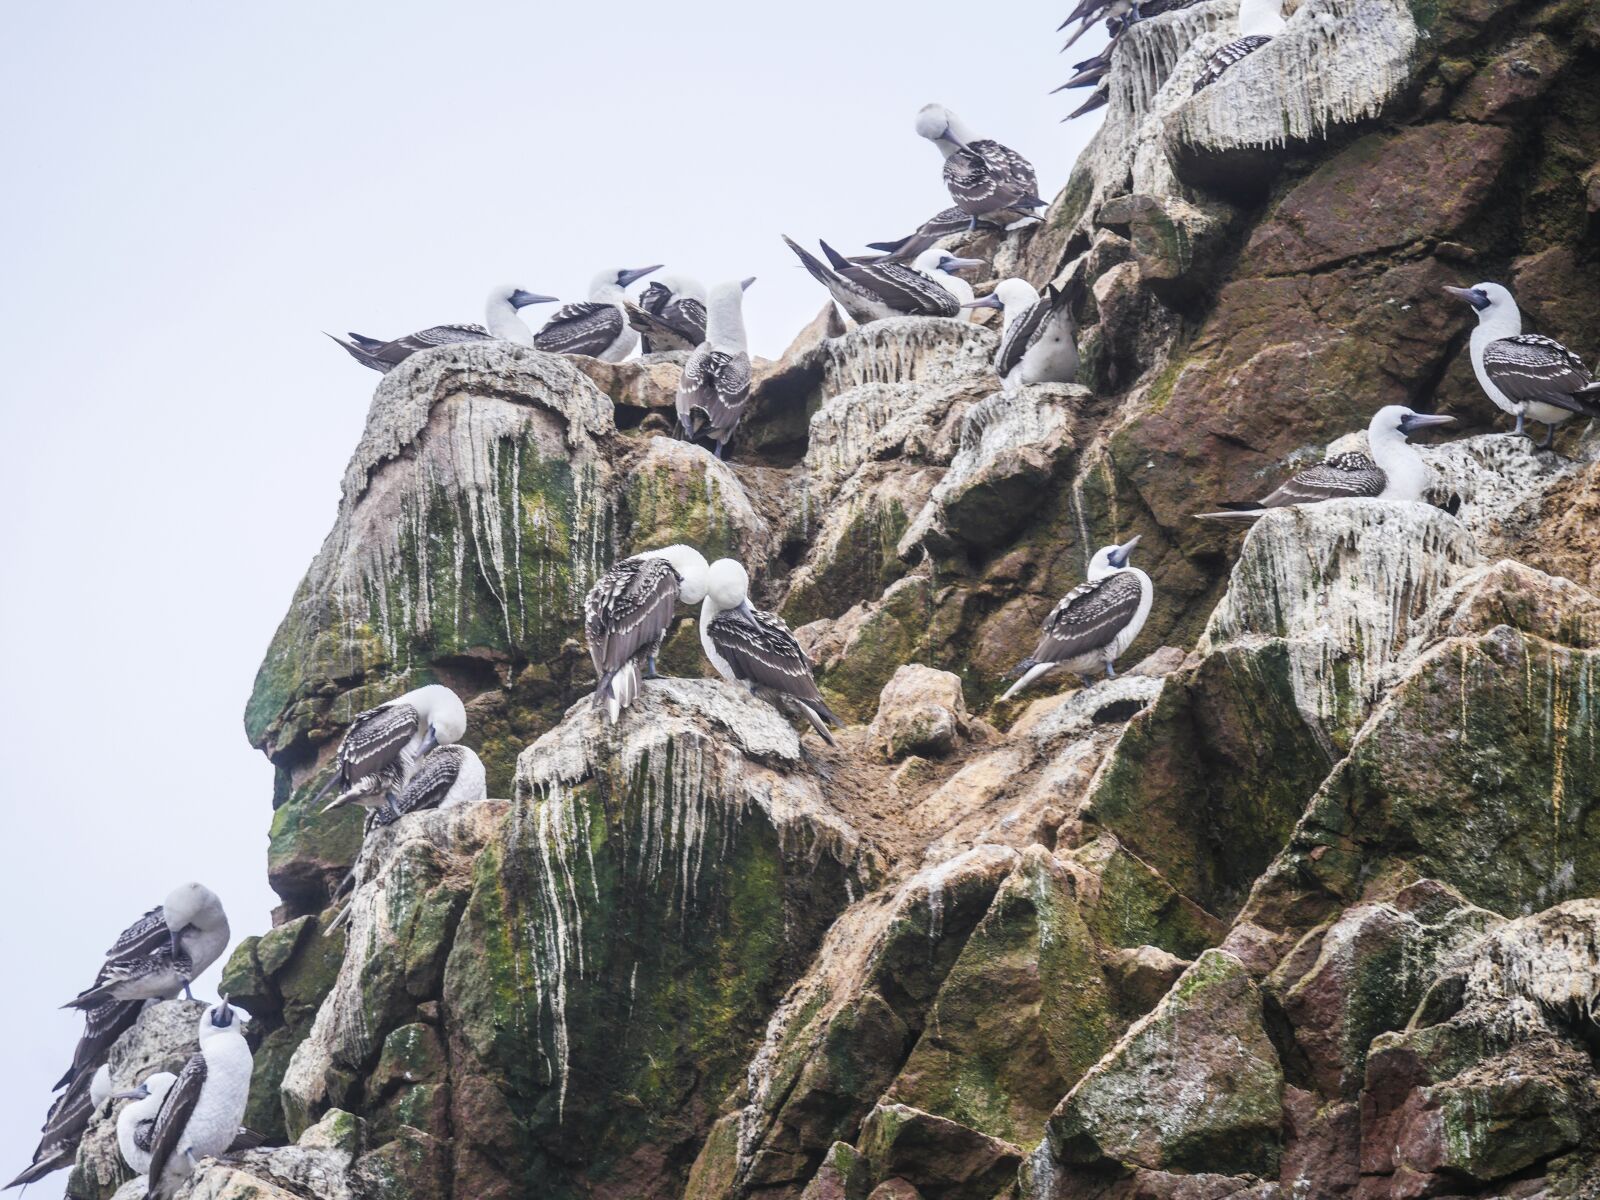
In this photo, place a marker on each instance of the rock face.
(1302, 905)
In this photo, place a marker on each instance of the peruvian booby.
(384, 745)
(876, 291)
(136, 1123)
(500, 322)
(446, 776)
(627, 614)
(1094, 622)
(930, 233)
(1525, 374)
(203, 1109)
(597, 327)
(1394, 472)
(983, 176)
(1038, 343)
(64, 1126)
(715, 385)
(156, 957)
(755, 648)
(1259, 22)
(670, 315)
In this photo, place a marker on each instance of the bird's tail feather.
(38, 1171)
(820, 718)
(1242, 515)
(836, 260)
(358, 353)
(811, 263)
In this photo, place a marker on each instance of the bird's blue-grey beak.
(744, 284)
(429, 741)
(1119, 556)
(138, 1093)
(521, 299)
(223, 1017)
(1473, 296)
(1414, 421)
(951, 263)
(989, 301)
(624, 278)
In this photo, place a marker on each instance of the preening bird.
(1038, 342)
(136, 1123)
(714, 388)
(446, 776)
(627, 614)
(756, 649)
(203, 1109)
(878, 290)
(1259, 22)
(157, 956)
(927, 235)
(1394, 472)
(500, 322)
(64, 1126)
(384, 745)
(597, 327)
(670, 315)
(1094, 622)
(984, 177)
(1525, 374)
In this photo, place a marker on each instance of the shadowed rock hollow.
(1302, 905)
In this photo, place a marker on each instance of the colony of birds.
(406, 755)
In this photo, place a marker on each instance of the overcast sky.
(192, 193)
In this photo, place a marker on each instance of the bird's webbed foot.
(1521, 421)
(650, 667)
(1111, 671)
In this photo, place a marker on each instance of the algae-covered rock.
(939, 1158)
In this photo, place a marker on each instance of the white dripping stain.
(906, 350)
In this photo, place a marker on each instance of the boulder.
(921, 711)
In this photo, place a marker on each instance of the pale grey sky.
(192, 193)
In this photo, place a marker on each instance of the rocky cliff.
(1300, 906)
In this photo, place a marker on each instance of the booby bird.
(597, 327)
(670, 315)
(1394, 472)
(1259, 22)
(749, 646)
(500, 322)
(201, 1114)
(136, 1123)
(384, 745)
(715, 385)
(1039, 341)
(627, 614)
(63, 1128)
(157, 956)
(446, 776)
(1525, 374)
(941, 225)
(878, 290)
(1094, 622)
(983, 176)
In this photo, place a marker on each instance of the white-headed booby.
(446, 776)
(597, 327)
(1038, 343)
(384, 745)
(755, 648)
(627, 614)
(1094, 622)
(1525, 374)
(670, 315)
(715, 385)
(500, 322)
(136, 1123)
(1394, 472)
(983, 176)
(876, 291)
(157, 956)
(201, 1114)
(64, 1126)
(1259, 22)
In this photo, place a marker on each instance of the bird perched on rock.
(1259, 22)
(446, 776)
(157, 956)
(627, 614)
(715, 385)
(1038, 342)
(384, 745)
(877, 291)
(670, 315)
(1525, 374)
(1094, 622)
(941, 225)
(136, 1123)
(597, 327)
(500, 322)
(984, 177)
(64, 1127)
(756, 649)
(203, 1109)
(1394, 472)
